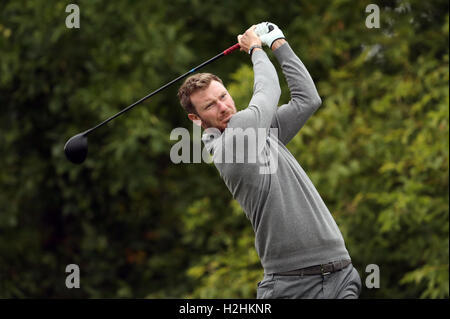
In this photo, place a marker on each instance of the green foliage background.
(140, 226)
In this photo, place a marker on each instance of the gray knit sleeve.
(305, 100)
(266, 94)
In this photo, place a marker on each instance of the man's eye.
(223, 95)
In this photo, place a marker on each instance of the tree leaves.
(139, 225)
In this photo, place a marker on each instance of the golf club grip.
(231, 49)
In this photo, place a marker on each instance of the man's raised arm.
(305, 100)
(266, 89)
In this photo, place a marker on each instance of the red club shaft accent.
(231, 49)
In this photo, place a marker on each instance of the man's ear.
(194, 118)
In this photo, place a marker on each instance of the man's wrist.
(278, 43)
(253, 48)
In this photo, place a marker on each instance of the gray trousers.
(343, 284)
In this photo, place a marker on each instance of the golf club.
(76, 147)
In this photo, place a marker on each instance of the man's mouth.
(227, 118)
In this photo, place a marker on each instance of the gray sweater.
(293, 227)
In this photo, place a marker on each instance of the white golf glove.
(268, 33)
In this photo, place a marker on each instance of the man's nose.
(222, 107)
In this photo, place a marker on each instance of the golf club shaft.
(225, 52)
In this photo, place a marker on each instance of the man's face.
(214, 106)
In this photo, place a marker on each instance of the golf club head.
(76, 148)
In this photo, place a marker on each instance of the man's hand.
(249, 39)
(268, 33)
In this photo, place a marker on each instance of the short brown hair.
(199, 81)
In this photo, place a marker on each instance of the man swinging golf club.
(299, 244)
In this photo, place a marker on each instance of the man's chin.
(227, 120)
(220, 126)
